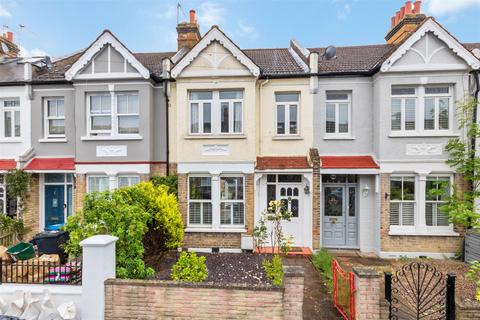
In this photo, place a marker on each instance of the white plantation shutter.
(394, 214)
(408, 214)
(402, 201)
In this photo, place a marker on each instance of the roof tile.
(264, 163)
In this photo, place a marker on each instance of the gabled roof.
(105, 38)
(274, 61)
(431, 25)
(7, 164)
(215, 34)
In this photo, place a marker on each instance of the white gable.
(215, 55)
(107, 58)
(430, 48)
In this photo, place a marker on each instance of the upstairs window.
(216, 112)
(402, 200)
(403, 108)
(286, 105)
(338, 106)
(54, 117)
(11, 117)
(437, 108)
(111, 114)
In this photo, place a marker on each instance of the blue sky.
(59, 27)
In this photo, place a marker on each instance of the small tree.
(18, 182)
(460, 206)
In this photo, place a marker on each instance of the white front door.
(290, 195)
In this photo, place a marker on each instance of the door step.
(294, 251)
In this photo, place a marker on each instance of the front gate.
(419, 291)
(343, 291)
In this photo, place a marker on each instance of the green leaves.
(129, 213)
(18, 182)
(274, 270)
(190, 268)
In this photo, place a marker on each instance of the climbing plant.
(18, 182)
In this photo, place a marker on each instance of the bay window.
(286, 106)
(216, 112)
(200, 200)
(421, 109)
(436, 191)
(54, 113)
(111, 114)
(338, 109)
(127, 180)
(231, 200)
(402, 200)
(11, 118)
(98, 183)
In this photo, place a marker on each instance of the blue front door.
(54, 204)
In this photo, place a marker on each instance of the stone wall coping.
(100, 240)
(470, 306)
(207, 285)
(363, 272)
(293, 271)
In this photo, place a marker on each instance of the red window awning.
(8, 164)
(348, 162)
(51, 164)
(265, 163)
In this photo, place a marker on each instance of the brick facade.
(431, 244)
(216, 239)
(140, 299)
(80, 190)
(316, 192)
(31, 207)
(158, 169)
(368, 294)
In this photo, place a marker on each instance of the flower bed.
(222, 267)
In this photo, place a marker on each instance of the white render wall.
(367, 214)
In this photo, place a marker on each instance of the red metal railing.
(343, 291)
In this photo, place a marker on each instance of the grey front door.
(339, 216)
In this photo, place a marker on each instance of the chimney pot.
(192, 16)
(408, 7)
(393, 21)
(10, 36)
(417, 7)
(397, 16)
(402, 12)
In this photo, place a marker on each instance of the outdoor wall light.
(365, 190)
(306, 189)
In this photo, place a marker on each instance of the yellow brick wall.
(31, 207)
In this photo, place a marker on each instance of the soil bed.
(222, 267)
(464, 288)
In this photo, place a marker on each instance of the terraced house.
(352, 141)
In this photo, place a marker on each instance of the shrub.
(171, 181)
(473, 274)
(129, 214)
(322, 260)
(10, 224)
(190, 268)
(273, 270)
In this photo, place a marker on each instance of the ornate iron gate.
(419, 291)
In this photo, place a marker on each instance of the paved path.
(317, 301)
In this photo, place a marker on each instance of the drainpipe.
(260, 122)
(166, 91)
(476, 95)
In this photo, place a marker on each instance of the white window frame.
(128, 176)
(211, 200)
(449, 227)
(13, 111)
(215, 113)
(89, 187)
(242, 201)
(337, 103)
(420, 97)
(437, 97)
(287, 106)
(414, 202)
(114, 115)
(118, 115)
(46, 118)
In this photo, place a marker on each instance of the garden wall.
(151, 299)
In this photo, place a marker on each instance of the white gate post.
(98, 266)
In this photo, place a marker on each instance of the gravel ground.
(222, 267)
(464, 288)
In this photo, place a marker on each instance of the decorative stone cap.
(363, 272)
(101, 240)
(293, 271)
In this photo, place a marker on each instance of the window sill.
(422, 134)
(111, 138)
(287, 137)
(216, 230)
(52, 140)
(11, 140)
(338, 137)
(426, 233)
(211, 137)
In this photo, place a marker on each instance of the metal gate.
(343, 291)
(419, 291)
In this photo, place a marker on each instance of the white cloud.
(344, 12)
(211, 13)
(445, 7)
(4, 12)
(35, 52)
(247, 31)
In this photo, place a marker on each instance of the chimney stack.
(404, 22)
(10, 36)
(188, 32)
(12, 49)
